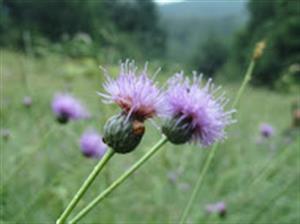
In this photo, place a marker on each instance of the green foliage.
(290, 80)
(53, 18)
(278, 23)
(108, 23)
(211, 56)
(258, 183)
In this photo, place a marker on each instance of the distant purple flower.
(136, 94)
(66, 108)
(27, 101)
(92, 145)
(217, 208)
(266, 130)
(197, 109)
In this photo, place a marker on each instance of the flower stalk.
(87, 183)
(211, 155)
(120, 180)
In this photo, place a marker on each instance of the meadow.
(42, 165)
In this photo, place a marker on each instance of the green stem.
(120, 180)
(87, 183)
(211, 155)
(247, 78)
(198, 184)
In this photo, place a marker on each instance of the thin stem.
(87, 183)
(247, 78)
(211, 155)
(198, 184)
(120, 180)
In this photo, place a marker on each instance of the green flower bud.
(123, 134)
(178, 131)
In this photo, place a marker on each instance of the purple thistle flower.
(92, 145)
(217, 208)
(194, 113)
(66, 108)
(266, 130)
(136, 94)
(27, 101)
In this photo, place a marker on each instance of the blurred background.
(51, 46)
(212, 37)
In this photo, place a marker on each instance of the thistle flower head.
(217, 208)
(266, 130)
(66, 108)
(193, 113)
(135, 93)
(27, 101)
(91, 144)
(123, 133)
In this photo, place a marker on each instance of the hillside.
(188, 24)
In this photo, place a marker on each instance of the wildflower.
(92, 145)
(66, 108)
(123, 134)
(138, 98)
(266, 130)
(193, 113)
(136, 94)
(217, 208)
(27, 101)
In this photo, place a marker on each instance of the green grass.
(42, 167)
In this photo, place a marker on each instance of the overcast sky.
(167, 1)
